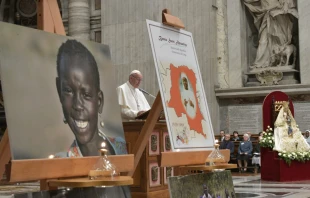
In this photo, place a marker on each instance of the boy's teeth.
(81, 124)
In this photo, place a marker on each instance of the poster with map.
(181, 88)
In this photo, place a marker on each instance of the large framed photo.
(59, 95)
(181, 88)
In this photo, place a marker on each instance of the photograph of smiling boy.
(78, 86)
(60, 95)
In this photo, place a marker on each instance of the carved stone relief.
(269, 77)
(154, 143)
(167, 143)
(154, 173)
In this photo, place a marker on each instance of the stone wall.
(245, 114)
(241, 107)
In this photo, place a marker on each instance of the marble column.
(222, 48)
(79, 19)
(304, 42)
(236, 43)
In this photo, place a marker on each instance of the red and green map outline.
(176, 101)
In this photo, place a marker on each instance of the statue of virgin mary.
(287, 136)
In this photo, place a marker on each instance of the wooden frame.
(179, 159)
(40, 169)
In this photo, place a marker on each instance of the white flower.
(268, 126)
(270, 129)
(280, 154)
(263, 140)
(293, 153)
(267, 130)
(273, 138)
(269, 138)
(269, 133)
(284, 155)
(270, 141)
(289, 155)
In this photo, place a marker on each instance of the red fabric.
(267, 107)
(275, 169)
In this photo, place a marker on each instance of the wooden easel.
(49, 171)
(183, 160)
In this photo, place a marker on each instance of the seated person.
(244, 152)
(250, 137)
(256, 155)
(235, 136)
(222, 135)
(287, 136)
(227, 144)
(307, 137)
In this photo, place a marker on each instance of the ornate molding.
(269, 77)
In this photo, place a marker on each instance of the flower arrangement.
(298, 156)
(268, 142)
(268, 139)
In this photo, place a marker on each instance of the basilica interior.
(246, 50)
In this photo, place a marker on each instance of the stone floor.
(253, 186)
(245, 186)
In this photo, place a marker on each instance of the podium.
(149, 178)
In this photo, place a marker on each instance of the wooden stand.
(182, 161)
(49, 171)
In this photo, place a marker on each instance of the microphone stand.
(147, 93)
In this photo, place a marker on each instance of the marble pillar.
(222, 47)
(79, 19)
(236, 43)
(304, 41)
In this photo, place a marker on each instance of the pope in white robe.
(130, 98)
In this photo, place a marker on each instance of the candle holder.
(215, 156)
(103, 167)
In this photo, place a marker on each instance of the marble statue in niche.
(274, 20)
(167, 143)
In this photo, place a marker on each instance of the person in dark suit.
(244, 152)
(227, 144)
(235, 136)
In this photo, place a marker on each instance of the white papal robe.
(131, 101)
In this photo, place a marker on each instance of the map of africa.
(184, 98)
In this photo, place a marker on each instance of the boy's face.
(80, 98)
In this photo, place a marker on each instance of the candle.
(216, 145)
(51, 156)
(103, 151)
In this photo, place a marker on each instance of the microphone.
(143, 91)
